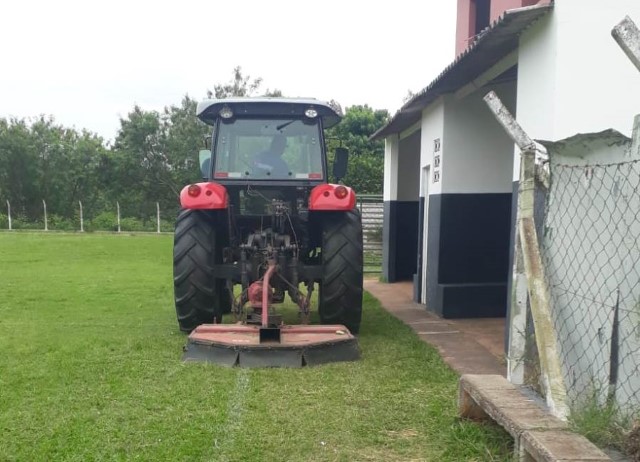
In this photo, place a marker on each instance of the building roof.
(491, 45)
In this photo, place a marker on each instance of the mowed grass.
(90, 369)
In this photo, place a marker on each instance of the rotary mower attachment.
(263, 341)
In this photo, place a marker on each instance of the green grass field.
(90, 370)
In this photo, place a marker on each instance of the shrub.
(131, 224)
(56, 222)
(21, 223)
(105, 221)
(167, 226)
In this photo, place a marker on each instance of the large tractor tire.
(199, 297)
(340, 294)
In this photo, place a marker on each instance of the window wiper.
(280, 127)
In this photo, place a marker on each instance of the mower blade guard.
(298, 346)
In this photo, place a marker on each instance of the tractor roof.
(208, 110)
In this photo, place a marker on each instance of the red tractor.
(266, 219)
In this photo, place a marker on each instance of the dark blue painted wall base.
(468, 254)
(472, 300)
(400, 240)
(417, 277)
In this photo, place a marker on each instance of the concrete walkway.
(468, 346)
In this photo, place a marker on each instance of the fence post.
(118, 214)
(158, 215)
(539, 296)
(9, 213)
(81, 218)
(46, 224)
(627, 34)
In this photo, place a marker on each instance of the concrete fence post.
(529, 251)
(46, 222)
(158, 215)
(627, 34)
(81, 218)
(118, 214)
(9, 213)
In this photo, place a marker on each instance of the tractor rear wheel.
(199, 297)
(340, 294)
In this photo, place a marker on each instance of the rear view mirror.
(340, 163)
(205, 163)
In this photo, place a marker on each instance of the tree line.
(153, 156)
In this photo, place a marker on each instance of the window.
(268, 149)
(483, 15)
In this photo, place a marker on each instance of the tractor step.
(285, 346)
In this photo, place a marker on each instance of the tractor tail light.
(335, 197)
(340, 192)
(194, 190)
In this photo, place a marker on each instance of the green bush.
(4, 221)
(105, 221)
(58, 223)
(21, 223)
(167, 226)
(132, 224)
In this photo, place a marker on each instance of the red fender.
(332, 197)
(208, 196)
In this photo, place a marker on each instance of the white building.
(450, 173)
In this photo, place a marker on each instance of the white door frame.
(426, 177)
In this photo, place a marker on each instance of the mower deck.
(285, 346)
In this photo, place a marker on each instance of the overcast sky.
(87, 63)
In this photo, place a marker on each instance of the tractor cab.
(267, 141)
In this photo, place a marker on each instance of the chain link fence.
(162, 220)
(591, 251)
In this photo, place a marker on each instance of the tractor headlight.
(311, 113)
(226, 112)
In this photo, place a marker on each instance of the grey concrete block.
(558, 446)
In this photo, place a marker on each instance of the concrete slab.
(558, 446)
(468, 346)
(504, 403)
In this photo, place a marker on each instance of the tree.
(366, 158)
(408, 96)
(154, 155)
(43, 160)
(240, 85)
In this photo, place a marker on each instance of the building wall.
(474, 160)
(465, 23)
(390, 183)
(432, 135)
(408, 175)
(572, 76)
(469, 208)
(500, 6)
(401, 206)
(431, 129)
